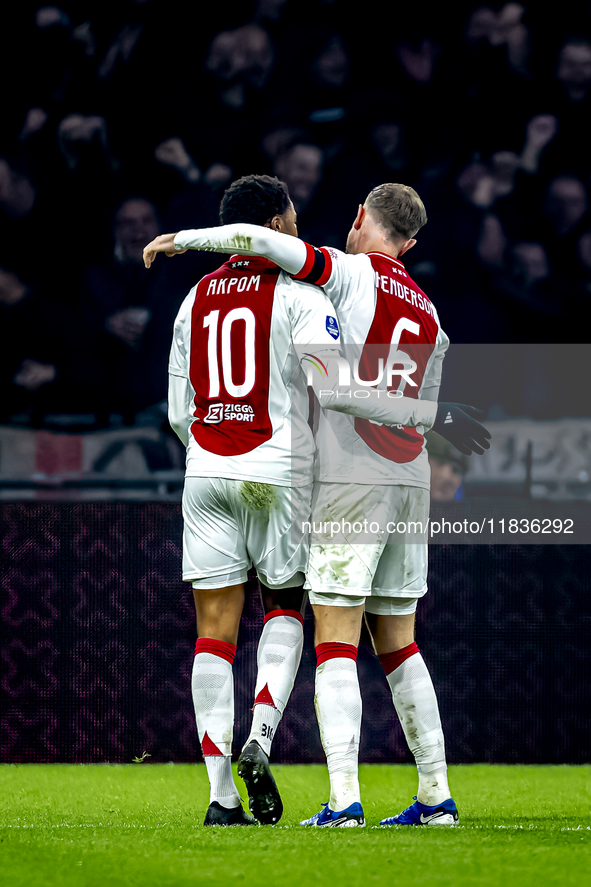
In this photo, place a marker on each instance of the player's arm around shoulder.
(241, 238)
(164, 243)
(341, 275)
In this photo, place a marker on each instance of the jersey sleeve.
(179, 386)
(178, 361)
(179, 406)
(338, 273)
(316, 337)
(432, 379)
(313, 318)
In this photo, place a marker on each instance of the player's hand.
(456, 423)
(164, 243)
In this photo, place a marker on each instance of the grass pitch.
(141, 825)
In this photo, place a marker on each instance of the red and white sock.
(212, 685)
(338, 709)
(278, 659)
(415, 702)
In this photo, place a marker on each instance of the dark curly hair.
(254, 199)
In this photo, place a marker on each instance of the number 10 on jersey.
(248, 371)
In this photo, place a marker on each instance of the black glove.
(455, 422)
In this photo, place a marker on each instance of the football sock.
(416, 706)
(212, 685)
(278, 660)
(222, 787)
(338, 709)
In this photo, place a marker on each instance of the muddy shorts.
(232, 525)
(368, 542)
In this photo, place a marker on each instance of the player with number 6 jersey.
(384, 313)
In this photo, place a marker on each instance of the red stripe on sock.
(335, 651)
(264, 697)
(391, 661)
(218, 648)
(293, 613)
(209, 748)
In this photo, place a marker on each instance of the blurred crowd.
(125, 118)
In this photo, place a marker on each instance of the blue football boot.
(327, 818)
(445, 813)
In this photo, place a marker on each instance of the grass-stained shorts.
(368, 544)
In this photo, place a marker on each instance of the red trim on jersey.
(317, 267)
(218, 648)
(386, 256)
(325, 276)
(264, 697)
(279, 612)
(335, 651)
(391, 661)
(308, 264)
(209, 748)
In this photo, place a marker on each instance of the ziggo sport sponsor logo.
(236, 412)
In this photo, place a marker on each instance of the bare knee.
(391, 633)
(218, 612)
(337, 624)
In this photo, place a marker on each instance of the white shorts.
(225, 533)
(368, 542)
(380, 606)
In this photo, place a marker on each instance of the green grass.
(141, 825)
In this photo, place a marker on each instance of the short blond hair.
(397, 209)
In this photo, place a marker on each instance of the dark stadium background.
(123, 118)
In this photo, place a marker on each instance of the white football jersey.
(247, 401)
(386, 322)
(382, 313)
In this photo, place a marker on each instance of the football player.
(239, 406)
